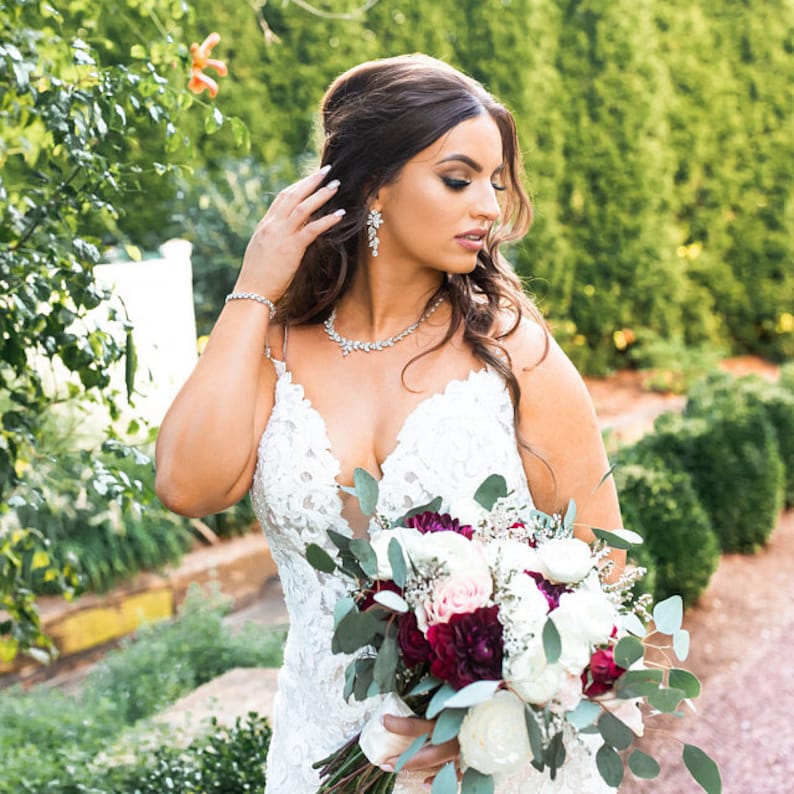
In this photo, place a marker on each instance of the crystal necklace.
(349, 345)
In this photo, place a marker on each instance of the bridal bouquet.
(504, 629)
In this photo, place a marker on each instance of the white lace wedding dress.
(448, 445)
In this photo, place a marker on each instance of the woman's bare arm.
(558, 421)
(206, 448)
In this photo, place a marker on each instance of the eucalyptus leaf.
(391, 600)
(439, 701)
(614, 732)
(668, 614)
(446, 781)
(633, 624)
(610, 765)
(584, 714)
(612, 539)
(355, 630)
(385, 669)
(342, 542)
(425, 685)
(471, 695)
(638, 683)
(366, 491)
(666, 700)
(447, 725)
(570, 515)
(643, 765)
(413, 748)
(681, 644)
(320, 559)
(687, 682)
(702, 769)
(552, 643)
(554, 755)
(430, 507)
(492, 489)
(397, 562)
(365, 554)
(341, 608)
(627, 651)
(475, 782)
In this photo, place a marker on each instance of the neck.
(379, 304)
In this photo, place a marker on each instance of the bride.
(375, 324)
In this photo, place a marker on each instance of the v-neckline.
(282, 372)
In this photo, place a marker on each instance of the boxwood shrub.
(663, 507)
(731, 453)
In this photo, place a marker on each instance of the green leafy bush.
(776, 402)
(49, 740)
(663, 507)
(734, 461)
(787, 376)
(225, 761)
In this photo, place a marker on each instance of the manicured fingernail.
(340, 213)
(325, 169)
(387, 767)
(333, 184)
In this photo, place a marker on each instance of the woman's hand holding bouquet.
(502, 631)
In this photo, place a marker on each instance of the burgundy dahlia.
(467, 649)
(602, 672)
(549, 589)
(415, 648)
(438, 522)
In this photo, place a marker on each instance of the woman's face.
(438, 210)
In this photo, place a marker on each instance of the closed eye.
(460, 184)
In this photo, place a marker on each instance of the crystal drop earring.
(374, 222)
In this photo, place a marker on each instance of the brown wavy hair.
(376, 117)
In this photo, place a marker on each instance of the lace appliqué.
(448, 445)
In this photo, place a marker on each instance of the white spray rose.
(405, 536)
(376, 742)
(584, 618)
(532, 677)
(522, 607)
(493, 736)
(565, 560)
(468, 511)
(507, 555)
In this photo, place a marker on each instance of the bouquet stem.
(348, 771)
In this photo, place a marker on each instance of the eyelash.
(460, 184)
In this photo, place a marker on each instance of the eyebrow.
(473, 164)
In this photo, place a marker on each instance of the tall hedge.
(656, 137)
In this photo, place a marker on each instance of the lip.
(466, 241)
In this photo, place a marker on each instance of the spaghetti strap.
(269, 350)
(284, 345)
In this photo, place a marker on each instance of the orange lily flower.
(199, 54)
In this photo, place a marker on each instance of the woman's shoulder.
(544, 372)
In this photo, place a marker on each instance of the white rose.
(376, 742)
(493, 736)
(405, 536)
(468, 511)
(459, 555)
(594, 612)
(565, 559)
(532, 677)
(509, 555)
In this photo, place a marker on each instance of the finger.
(407, 726)
(312, 203)
(431, 757)
(292, 195)
(311, 231)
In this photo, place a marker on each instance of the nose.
(486, 206)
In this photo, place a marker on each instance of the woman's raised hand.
(277, 246)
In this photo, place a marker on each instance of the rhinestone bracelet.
(252, 296)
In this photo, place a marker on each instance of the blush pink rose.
(458, 595)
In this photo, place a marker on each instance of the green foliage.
(732, 455)
(49, 740)
(663, 507)
(225, 760)
(72, 115)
